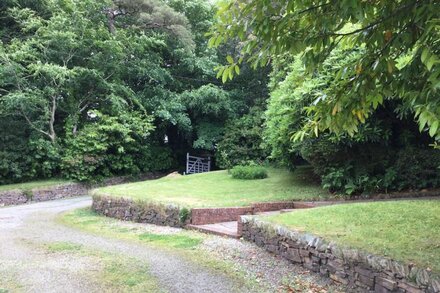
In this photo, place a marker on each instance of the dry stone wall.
(137, 211)
(357, 270)
(16, 197)
(60, 191)
(13, 197)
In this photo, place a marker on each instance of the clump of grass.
(127, 274)
(175, 241)
(249, 172)
(63, 247)
(408, 231)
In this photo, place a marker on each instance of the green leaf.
(225, 75)
(237, 69)
(211, 42)
(220, 72)
(422, 121)
(431, 61)
(433, 129)
(230, 59)
(425, 54)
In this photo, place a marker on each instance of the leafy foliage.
(242, 142)
(362, 162)
(417, 168)
(90, 89)
(399, 58)
(111, 145)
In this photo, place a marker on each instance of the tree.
(400, 59)
(368, 160)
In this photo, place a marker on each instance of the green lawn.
(32, 185)
(219, 189)
(408, 231)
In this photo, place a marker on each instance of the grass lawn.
(408, 231)
(32, 185)
(219, 189)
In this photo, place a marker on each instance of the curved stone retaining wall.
(359, 271)
(141, 212)
(16, 197)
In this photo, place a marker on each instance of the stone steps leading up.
(230, 229)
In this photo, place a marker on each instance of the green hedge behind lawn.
(408, 231)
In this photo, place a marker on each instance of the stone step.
(228, 229)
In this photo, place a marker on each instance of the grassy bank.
(31, 185)
(408, 231)
(219, 189)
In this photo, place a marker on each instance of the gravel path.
(23, 227)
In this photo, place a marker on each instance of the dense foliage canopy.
(399, 59)
(90, 89)
(350, 82)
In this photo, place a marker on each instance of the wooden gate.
(197, 164)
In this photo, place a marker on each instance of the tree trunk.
(52, 134)
(111, 15)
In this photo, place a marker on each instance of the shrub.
(110, 146)
(249, 172)
(417, 168)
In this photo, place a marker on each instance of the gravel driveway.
(23, 228)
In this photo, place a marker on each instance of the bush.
(417, 169)
(249, 172)
(110, 146)
(360, 168)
